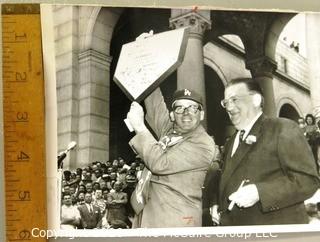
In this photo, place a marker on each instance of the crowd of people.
(311, 130)
(98, 196)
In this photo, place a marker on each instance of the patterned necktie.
(241, 136)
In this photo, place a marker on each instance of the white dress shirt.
(246, 132)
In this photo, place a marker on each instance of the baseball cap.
(187, 94)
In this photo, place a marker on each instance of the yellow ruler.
(23, 108)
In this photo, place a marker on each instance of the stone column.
(94, 115)
(191, 72)
(67, 65)
(313, 57)
(262, 70)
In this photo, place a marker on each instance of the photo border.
(155, 232)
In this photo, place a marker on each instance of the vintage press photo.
(280, 49)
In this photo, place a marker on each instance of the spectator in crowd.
(97, 175)
(113, 178)
(310, 124)
(79, 171)
(268, 168)
(133, 166)
(103, 184)
(313, 136)
(104, 168)
(80, 200)
(66, 190)
(108, 164)
(99, 201)
(89, 188)
(116, 203)
(110, 170)
(87, 178)
(67, 175)
(81, 188)
(90, 214)
(297, 47)
(105, 195)
(108, 181)
(96, 186)
(98, 163)
(74, 199)
(70, 216)
(72, 190)
(313, 213)
(122, 176)
(83, 174)
(302, 124)
(317, 148)
(131, 182)
(139, 170)
(121, 162)
(178, 158)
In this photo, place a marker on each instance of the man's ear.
(201, 115)
(171, 116)
(257, 100)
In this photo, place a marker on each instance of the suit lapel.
(229, 147)
(232, 163)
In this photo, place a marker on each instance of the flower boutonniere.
(251, 139)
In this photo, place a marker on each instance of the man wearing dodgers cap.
(178, 158)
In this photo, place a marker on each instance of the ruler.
(23, 111)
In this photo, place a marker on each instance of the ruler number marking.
(23, 235)
(22, 117)
(23, 156)
(21, 37)
(21, 77)
(24, 196)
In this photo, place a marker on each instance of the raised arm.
(157, 114)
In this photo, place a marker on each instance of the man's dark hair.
(252, 85)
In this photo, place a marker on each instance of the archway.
(289, 112)
(131, 24)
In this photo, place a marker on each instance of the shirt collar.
(250, 125)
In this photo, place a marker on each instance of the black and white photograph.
(178, 118)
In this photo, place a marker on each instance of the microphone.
(71, 146)
(63, 154)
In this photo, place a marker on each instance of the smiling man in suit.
(268, 168)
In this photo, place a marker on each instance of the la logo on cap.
(187, 92)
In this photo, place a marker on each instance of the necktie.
(237, 142)
(241, 136)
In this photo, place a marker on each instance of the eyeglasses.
(192, 109)
(233, 100)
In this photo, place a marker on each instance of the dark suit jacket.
(281, 165)
(90, 220)
(210, 192)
